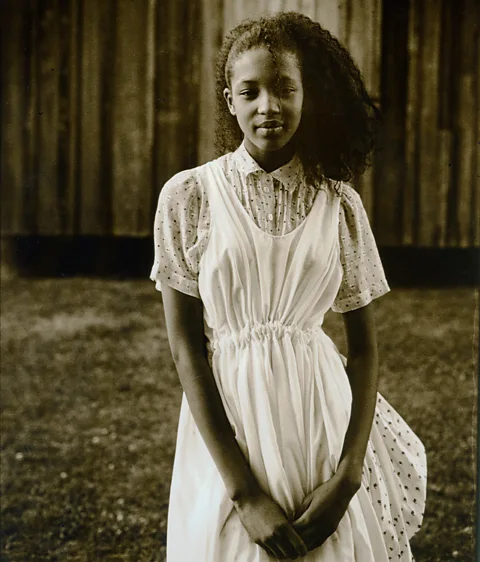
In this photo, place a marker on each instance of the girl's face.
(266, 96)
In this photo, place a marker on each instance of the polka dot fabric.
(278, 202)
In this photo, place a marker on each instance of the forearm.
(210, 417)
(362, 371)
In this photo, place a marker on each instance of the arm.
(321, 512)
(262, 518)
(362, 371)
(184, 320)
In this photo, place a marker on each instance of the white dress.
(284, 388)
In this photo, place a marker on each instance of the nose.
(268, 103)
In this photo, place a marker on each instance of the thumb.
(299, 515)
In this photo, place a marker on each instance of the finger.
(302, 509)
(275, 548)
(316, 536)
(296, 541)
(303, 520)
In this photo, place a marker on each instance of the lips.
(270, 124)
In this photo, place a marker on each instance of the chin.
(272, 144)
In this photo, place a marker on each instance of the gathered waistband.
(264, 330)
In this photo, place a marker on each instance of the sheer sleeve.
(176, 234)
(363, 275)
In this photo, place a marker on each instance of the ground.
(90, 403)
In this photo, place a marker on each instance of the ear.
(227, 94)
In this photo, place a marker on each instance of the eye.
(248, 94)
(287, 91)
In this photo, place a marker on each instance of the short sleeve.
(363, 275)
(175, 235)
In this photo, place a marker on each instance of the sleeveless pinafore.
(286, 393)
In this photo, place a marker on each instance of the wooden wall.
(427, 175)
(104, 100)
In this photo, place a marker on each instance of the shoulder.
(349, 198)
(351, 212)
(190, 184)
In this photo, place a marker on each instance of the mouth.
(271, 124)
(271, 128)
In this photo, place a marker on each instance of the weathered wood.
(30, 191)
(376, 49)
(68, 105)
(411, 126)
(86, 147)
(72, 179)
(361, 38)
(428, 132)
(272, 6)
(327, 13)
(307, 7)
(13, 80)
(390, 169)
(131, 156)
(476, 156)
(467, 136)
(445, 160)
(212, 33)
(49, 220)
(93, 206)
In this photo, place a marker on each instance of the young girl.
(285, 450)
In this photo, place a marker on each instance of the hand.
(268, 526)
(321, 511)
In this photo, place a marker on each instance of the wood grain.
(13, 117)
(131, 137)
(49, 218)
(412, 119)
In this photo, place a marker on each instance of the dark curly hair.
(340, 123)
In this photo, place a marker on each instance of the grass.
(90, 404)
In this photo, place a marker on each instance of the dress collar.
(289, 175)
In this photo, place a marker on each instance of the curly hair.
(340, 123)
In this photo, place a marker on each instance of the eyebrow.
(253, 81)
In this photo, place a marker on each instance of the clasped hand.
(313, 522)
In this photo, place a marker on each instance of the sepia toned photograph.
(240, 265)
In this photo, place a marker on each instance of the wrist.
(244, 491)
(350, 471)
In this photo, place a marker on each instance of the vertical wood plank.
(389, 173)
(73, 119)
(292, 5)
(307, 7)
(229, 14)
(192, 80)
(411, 125)
(272, 6)
(444, 183)
(49, 220)
(476, 182)
(30, 193)
(327, 13)
(212, 33)
(344, 20)
(362, 43)
(445, 120)
(467, 136)
(177, 90)
(132, 147)
(68, 106)
(167, 92)
(376, 49)
(428, 139)
(13, 117)
(360, 47)
(93, 213)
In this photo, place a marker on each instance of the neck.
(271, 160)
